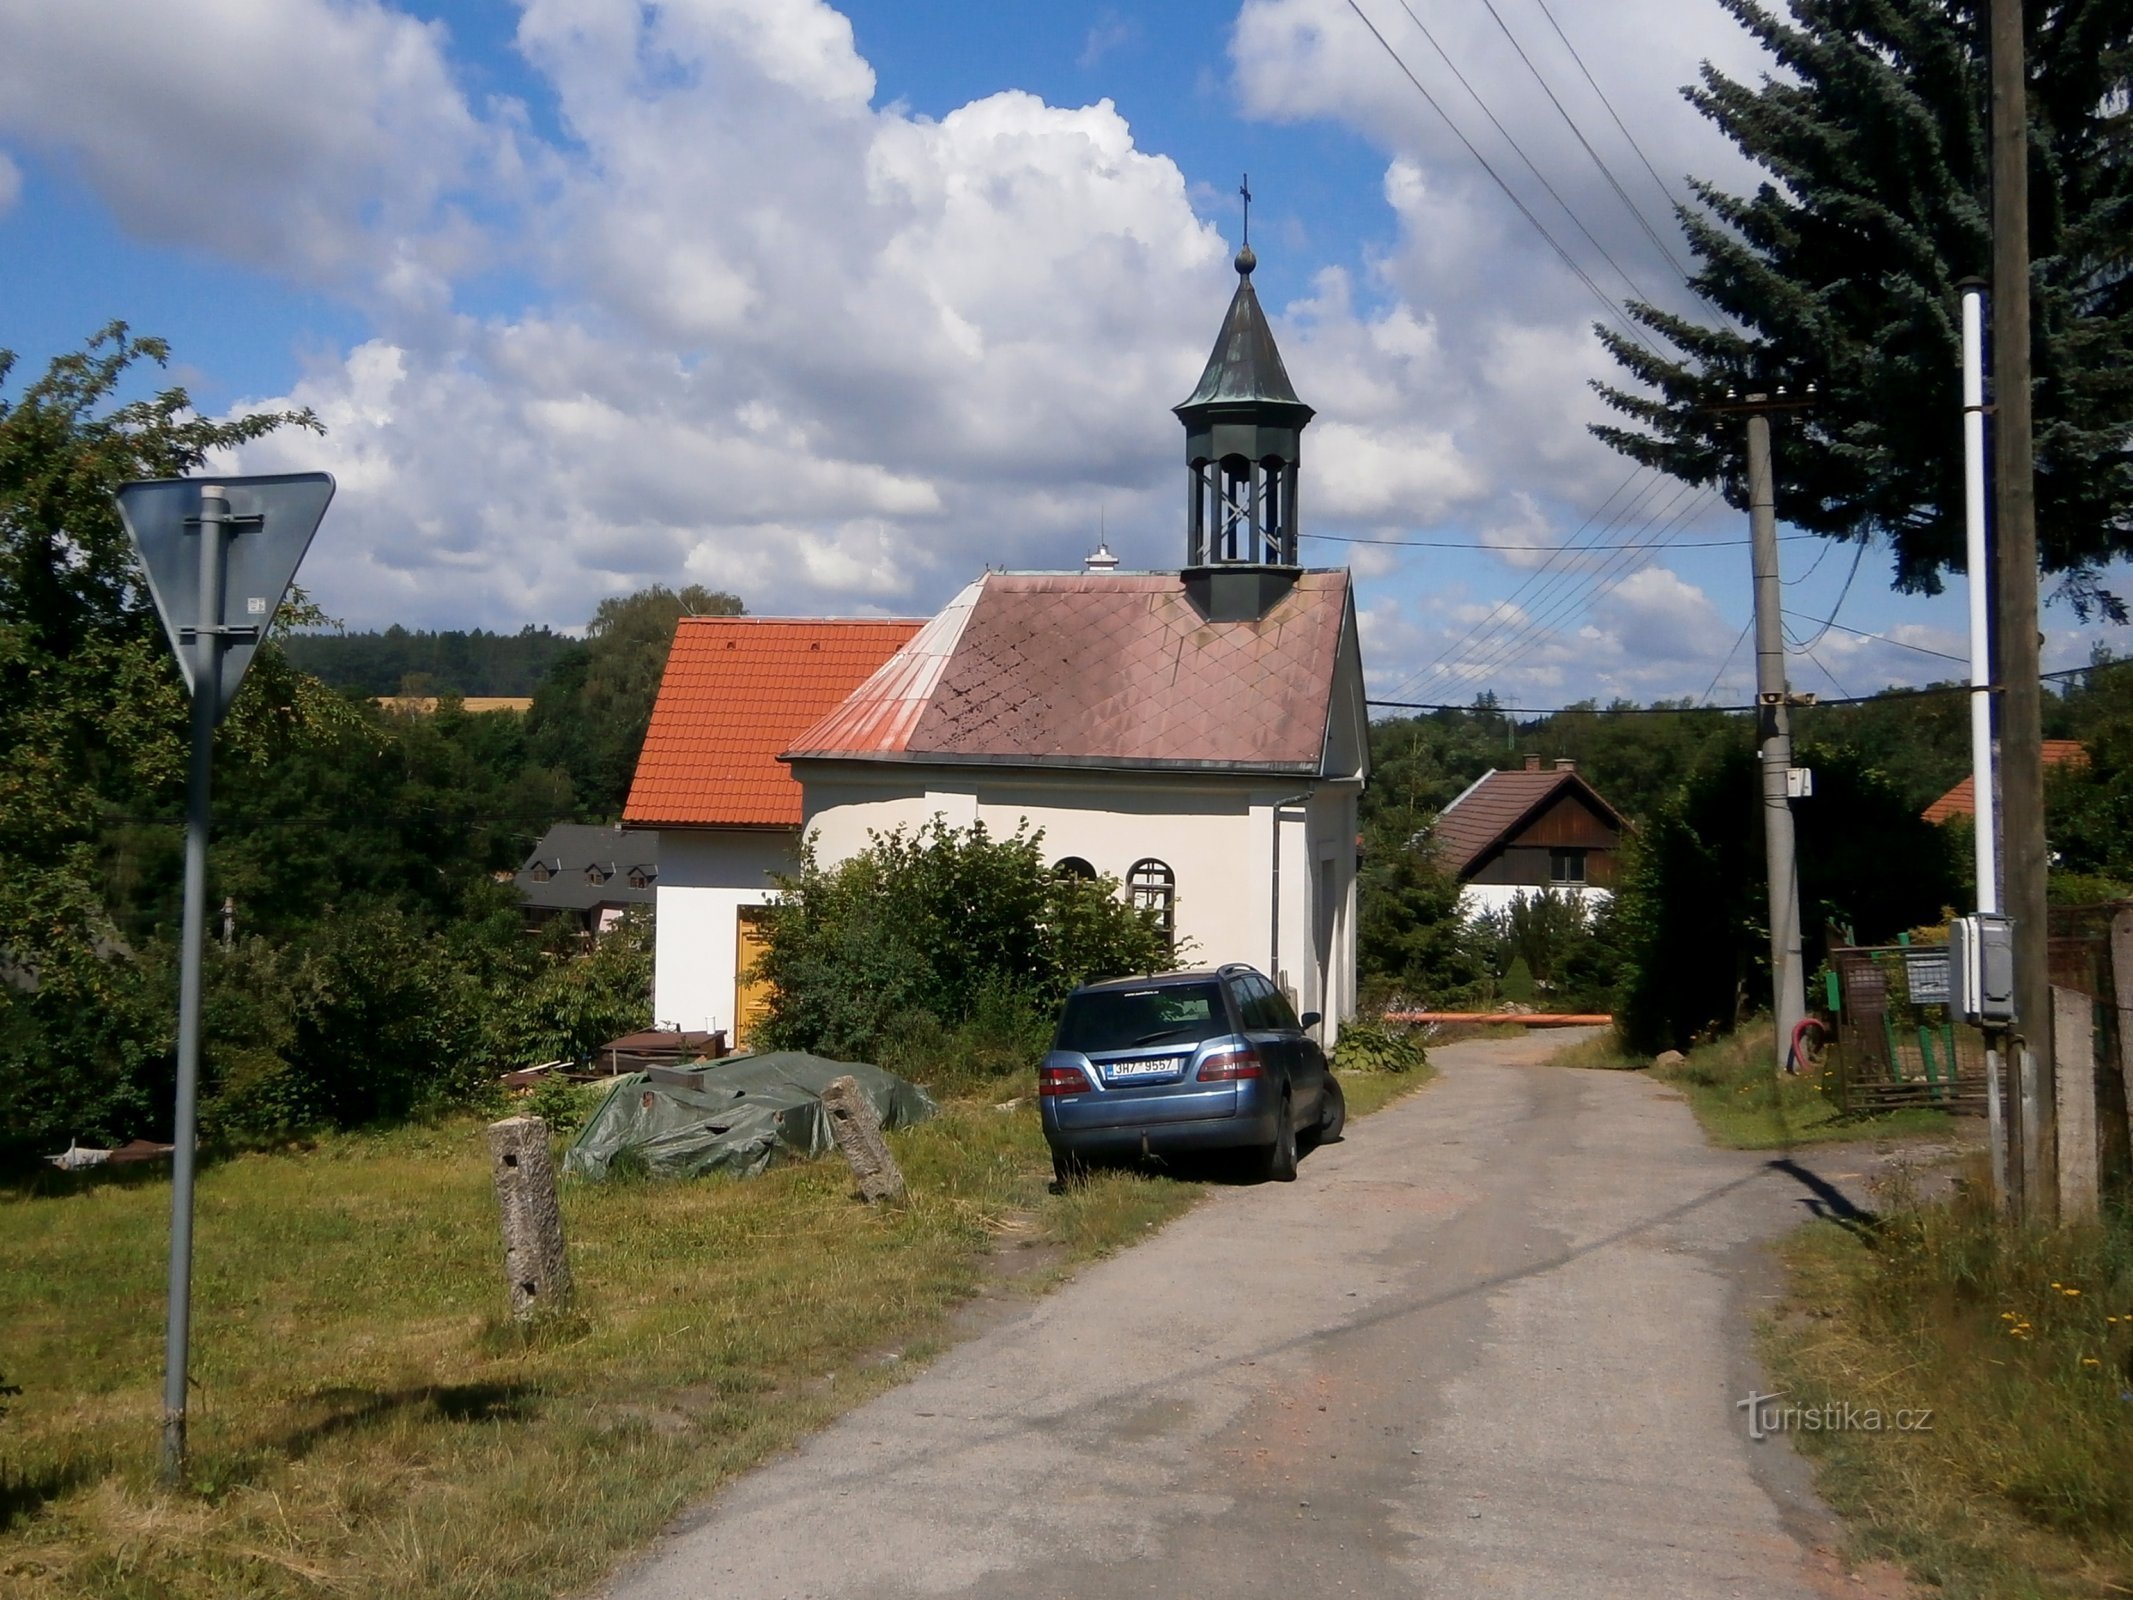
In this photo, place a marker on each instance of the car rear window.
(1119, 1019)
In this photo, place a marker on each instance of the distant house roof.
(1961, 801)
(735, 692)
(1497, 805)
(577, 867)
(1103, 670)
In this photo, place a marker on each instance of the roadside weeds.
(2020, 1347)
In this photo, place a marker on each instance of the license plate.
(1120, 1071)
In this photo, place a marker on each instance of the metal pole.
(1983, 782)
(207, 662)
(1788, 981)
(1977, 561)
(2015, 536)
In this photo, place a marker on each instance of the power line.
(1551, 609)
(1567, 547)
(1664, 187)
(1537, 549)
(1705, 699)
(1614, 571)
(1520, 151)
(1881, 638)
(1895, 692)
(1524, 210)
(1830, 621)
(1606, 171)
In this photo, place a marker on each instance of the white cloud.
(10, 184)
(317, 138)
(836, 355)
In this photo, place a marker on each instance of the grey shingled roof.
(570, 848)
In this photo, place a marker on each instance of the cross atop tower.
(1245, 189)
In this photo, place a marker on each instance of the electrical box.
(1799, 783)
(1981, 969)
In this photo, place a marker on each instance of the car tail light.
(1062, 1080)
(1225, 1065)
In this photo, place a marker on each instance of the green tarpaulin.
(735, 1115)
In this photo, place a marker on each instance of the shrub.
(944, 923)
(1367, 1046)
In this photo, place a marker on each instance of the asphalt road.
(1490, 1344)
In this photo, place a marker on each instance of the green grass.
(1744, 1103)
(364, 1421)
(1373, 1091)
(2023, 1486)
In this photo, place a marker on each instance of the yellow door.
(751, 994)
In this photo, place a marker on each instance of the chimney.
(1533, 763)
(1566, 764)
(1100, 560)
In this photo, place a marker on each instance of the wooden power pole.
(2015, 585)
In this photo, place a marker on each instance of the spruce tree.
(1841, 270)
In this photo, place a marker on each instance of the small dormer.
(1243, 448)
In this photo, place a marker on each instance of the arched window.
(1151, 883)
(1073, 867)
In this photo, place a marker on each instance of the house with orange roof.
(1961, 801)
(726, 810)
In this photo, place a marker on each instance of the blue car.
(1205, 1060)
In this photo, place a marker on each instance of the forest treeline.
(397, 660)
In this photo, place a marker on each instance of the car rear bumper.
(1252, 1122)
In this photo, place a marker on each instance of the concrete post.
(2074, 1079)
(857, 1130)
(535, 1265)
(2122, 985)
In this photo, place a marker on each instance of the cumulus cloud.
(322, 139)
(835, 355)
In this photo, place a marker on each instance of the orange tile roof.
(735, 692)
(1961, 801)
(1111, 669)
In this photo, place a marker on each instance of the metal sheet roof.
(1105, 669)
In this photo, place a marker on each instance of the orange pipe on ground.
(1523, 1019)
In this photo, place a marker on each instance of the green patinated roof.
(1245, 366)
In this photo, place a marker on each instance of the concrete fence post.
(535, 1265)
(2074, 1054)
(857, 1129)
(2122, 986)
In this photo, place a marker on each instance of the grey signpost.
(220, 554)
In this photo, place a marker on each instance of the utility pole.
(2015, 582)
(1774, 701)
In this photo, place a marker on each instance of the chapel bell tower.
(1243, 427)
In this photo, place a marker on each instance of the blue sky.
(834, 307)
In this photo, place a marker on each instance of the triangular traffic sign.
(271, 521)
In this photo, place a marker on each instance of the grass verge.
(1745, 1104)
(1373, 1091)
(2020, 1346)
(364, 1421)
